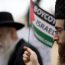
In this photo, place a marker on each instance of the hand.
(30, 57)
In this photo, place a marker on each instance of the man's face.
(60, 32)
(5, 39)
(60, 38)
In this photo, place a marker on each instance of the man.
(60, 30)
(12, 49)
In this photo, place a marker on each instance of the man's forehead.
(59, 23)
(6, 28)
(3, 27)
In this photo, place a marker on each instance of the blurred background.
(20, 8)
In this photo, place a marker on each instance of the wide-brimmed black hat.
(60, 9)
(6, 20)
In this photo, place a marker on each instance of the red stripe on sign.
(31, 12)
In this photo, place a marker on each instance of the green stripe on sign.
(47, 43)
(43, 35)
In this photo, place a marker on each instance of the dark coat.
(16, 57)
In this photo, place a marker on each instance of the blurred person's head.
(60, 29)
(8, 31)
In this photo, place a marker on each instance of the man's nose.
(56, 38)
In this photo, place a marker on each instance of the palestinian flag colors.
(42, 24)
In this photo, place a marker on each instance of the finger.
(27, 53)
(26, 59)
(28, 49)
(26, 56)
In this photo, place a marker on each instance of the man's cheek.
(62, 40)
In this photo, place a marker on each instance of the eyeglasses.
(59, 31)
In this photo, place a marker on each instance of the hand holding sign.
(30, 57)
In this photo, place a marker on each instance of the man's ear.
(14, 34)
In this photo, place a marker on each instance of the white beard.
(6, 48)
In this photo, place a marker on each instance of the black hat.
(6, 20)
(60, 9)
